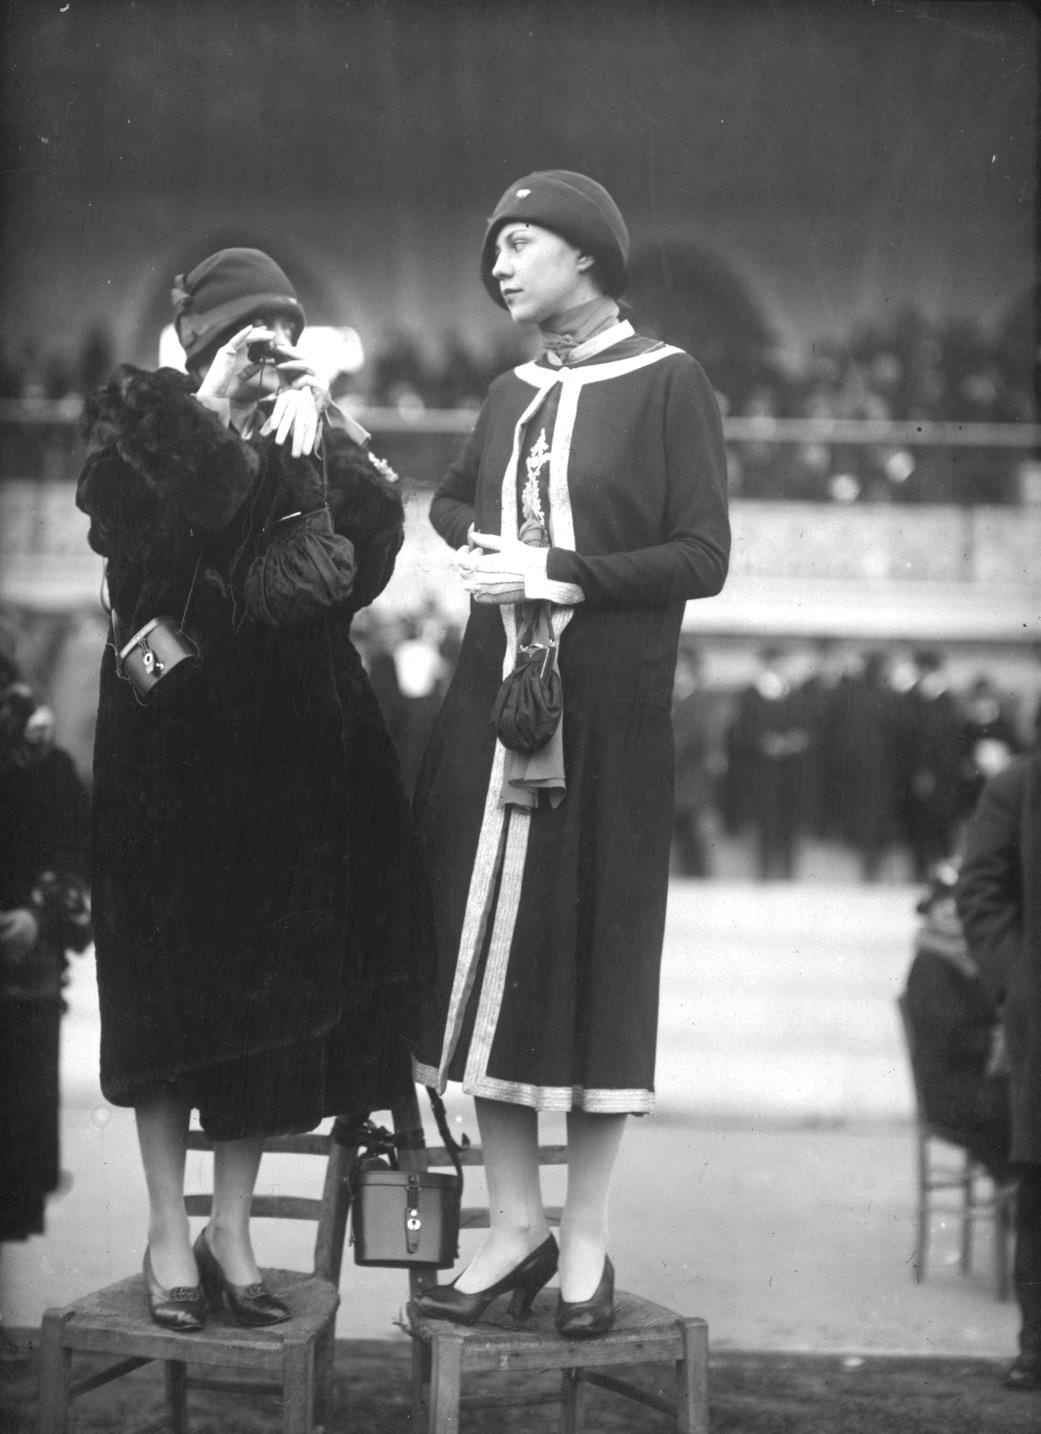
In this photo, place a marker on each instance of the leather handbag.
(528, 705)
(156, 650)
(152, 653)
(404, 1218)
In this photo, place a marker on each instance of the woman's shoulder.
(129, 393)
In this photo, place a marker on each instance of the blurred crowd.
(876, 751)
(910, 370)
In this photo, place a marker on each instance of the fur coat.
(254, 886)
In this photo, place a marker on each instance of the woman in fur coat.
(587, 507)
(253, 882)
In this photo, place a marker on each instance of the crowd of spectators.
(874, 752)
(909, 371)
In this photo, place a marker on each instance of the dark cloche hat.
(574, 206)
(225, 291)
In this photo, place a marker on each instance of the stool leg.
(573, 1393)
(968, 1214)
(692, 1379)
(446, 1380)
(324, 1375)
(922, 1230)
(297, 1389)
(54, 1376)
(420, 1380)
(175, 1372)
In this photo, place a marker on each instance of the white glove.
(499, 570)
(302, 397)
(297, 414)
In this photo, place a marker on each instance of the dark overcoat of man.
(999, 900)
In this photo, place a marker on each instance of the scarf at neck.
(577, 325)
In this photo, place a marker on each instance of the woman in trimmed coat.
(999, 901)
(253, 879)
(587, 507)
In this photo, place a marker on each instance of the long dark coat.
(253, 863)
(43, 867)
(550, 921)
(999, 900)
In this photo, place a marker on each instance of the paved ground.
(772, 1192)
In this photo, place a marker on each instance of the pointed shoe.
(525, 1280)
(250, 1305)
(584, 1319)
(180, 1308)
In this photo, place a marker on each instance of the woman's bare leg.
(235, 1167)
(593, 1144)
(509, 1137)
(162, 1135)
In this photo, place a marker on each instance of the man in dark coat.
(44, 914)
(999, 900)
(959, 1064)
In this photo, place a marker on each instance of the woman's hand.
(231, 365)
(496, 569)
(302, 395)
(297, 416)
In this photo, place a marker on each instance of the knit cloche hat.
(225, 291)
(574, 206)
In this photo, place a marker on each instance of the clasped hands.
(495, 569)
(302, 396)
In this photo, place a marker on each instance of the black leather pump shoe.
(251, 1305)
(525, 1280)
(181, 1308)
(582, 1319)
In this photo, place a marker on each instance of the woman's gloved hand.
(498, 570)
(235, 377)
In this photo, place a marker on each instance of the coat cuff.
(539, 586)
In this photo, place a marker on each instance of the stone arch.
(690, 295)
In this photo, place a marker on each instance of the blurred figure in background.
(999, 901)
(692, 735)
(766, 759)
(822, 698)
(989, 741)
(422, 675)
(959, 1051)
(930, 756)
(866, 793)
(44, 915)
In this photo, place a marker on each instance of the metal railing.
(819, 459)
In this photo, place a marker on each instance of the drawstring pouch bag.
(528, 705)
(305, 568)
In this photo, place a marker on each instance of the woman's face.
(540, 275)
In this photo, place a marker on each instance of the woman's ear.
(586, 261)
